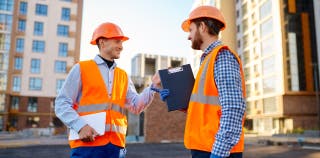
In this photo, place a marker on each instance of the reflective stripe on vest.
(205, 99)
(116, 128)
(199, 96)
(99, 107)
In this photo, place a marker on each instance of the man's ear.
(100, 41)
(202, 27)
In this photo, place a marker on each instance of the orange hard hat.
(107, 30)
(201, 12)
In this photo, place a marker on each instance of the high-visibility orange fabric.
(94, 92)
(203, 119)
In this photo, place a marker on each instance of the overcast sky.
(154, 27)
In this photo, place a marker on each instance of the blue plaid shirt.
(228, 80)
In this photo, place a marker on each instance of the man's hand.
(87, 134)
(164, 93)
(156, 81)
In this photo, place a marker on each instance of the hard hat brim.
(185, 25)
(123, 38)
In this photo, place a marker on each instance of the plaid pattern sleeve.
(228, 81)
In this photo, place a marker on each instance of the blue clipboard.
(179, 81)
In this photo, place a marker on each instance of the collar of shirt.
(209, 49)
(100, 61)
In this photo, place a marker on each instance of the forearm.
(136, 103)
(68, 115)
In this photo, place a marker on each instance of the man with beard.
(98, 85)
(216, 109)
(215, 115)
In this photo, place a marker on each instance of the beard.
(197, 42)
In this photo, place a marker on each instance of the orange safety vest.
(95, 99)
(204, 111)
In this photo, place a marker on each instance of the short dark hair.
(214, 26)
(97, 41)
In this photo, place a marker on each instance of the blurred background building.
(277, 43)
(39, 43)
(147, 124)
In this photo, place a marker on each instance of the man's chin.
(195, 48)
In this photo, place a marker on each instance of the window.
(246, 42)
(3, 81)
(60, 66)
(19, 45)
(246, 57)
(35, 83)
(268, 66)
(59, 84)
(270, 105)
(248, 89)
(4, 41)
(38, 28)
(1, 123)
(32, 104)
(41, 9)
(244, 25)
(6, 5)
(269, 85)
(16, 84)
(38, 46)
(18, 63)
(265, 9)
(2, 102)
(267, 27)
(5, 22)
(63, 49)
(35, 66)
(247, 73)
(15, 103)
(33, 122)
(63, 30)
(4, 62)
(22, 25)
(23, 8)
(244, 9)
(13, 121)
(65, 14)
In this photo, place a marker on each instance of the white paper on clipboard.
(97, 121)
